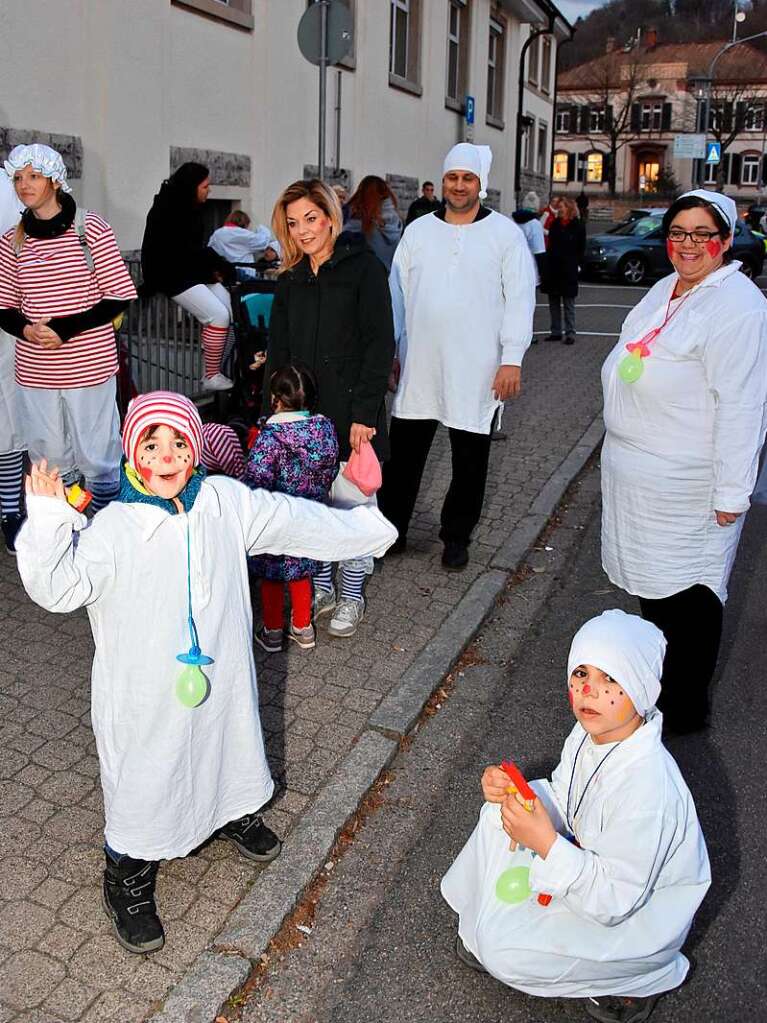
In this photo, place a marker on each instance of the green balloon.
(513, 885)
(192, 686)
(630, 368)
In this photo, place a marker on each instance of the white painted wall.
(133, 79)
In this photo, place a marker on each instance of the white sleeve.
(278, 524)
(518, 278)
(609, 885)
(735, 364)
(62, 564)
(397, 285)
(259, 239)
(537, 240)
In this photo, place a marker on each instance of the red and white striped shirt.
(50, 277)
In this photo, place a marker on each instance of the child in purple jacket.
(296, 453)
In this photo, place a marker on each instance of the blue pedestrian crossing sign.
(713, 152)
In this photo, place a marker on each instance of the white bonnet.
(42, 158)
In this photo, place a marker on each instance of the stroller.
(251, 311)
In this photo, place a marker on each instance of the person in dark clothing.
(176, 261)
(567, 244)
(582, 202)
(332, 314)
(425, 203)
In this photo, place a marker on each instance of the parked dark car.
(635, 251)
(755, 213)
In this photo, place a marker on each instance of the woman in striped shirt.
(62, 282)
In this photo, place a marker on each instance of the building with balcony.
(617, 117)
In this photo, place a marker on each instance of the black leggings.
(691, 621)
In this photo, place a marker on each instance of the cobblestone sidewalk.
(58, 960)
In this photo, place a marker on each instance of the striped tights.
(11, 481)
(213, 344)
(352, 579)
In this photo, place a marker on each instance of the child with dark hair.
(296, 453)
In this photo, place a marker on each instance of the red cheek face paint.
(188, 472)
(570, 698)
(713, 247)
(145, 471)
(669, 248)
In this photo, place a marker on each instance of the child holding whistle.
(616, 858)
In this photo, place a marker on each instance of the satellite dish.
(340, 37)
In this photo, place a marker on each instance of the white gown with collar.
(684, 439)
(463, 298)
(172, 775)
(622, 903)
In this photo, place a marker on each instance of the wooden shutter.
(740, 115)
(585, 118)
(636, 116)
(571, 166)
(609, 117)
(606, 166)
(735, 166)
(764, 170)
(665, 124)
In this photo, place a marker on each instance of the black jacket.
(420, 207)
(339, 325)
(174, 255)
(567, 245)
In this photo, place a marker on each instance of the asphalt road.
(381, 943)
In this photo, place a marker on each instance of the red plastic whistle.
(522, 787)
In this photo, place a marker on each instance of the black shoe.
(499, 435)
(252, 838)
(128, 898)
(10, 525)
(467, 958)
(455, 556)
(614, 1009)
(569, 341)
(553, 337)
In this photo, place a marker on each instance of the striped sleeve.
(10, 295)
(222, 451)
(112, 275)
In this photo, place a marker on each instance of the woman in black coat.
(176, 260)
(564, 255)
(332, 314)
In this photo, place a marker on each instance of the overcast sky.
(573, 9)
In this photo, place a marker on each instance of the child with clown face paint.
(616, 858)
(163, 571)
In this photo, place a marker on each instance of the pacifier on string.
(192, 685)
(631, 367)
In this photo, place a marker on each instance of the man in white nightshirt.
(463, 296)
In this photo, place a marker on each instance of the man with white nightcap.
(463, 296)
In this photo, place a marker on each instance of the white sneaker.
(218, 382)
(346, 617)
(323, 601)
(306, 638)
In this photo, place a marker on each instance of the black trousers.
(410, 441)
(691, 621)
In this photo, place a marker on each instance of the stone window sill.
(495, 122)
(397, 82)
(218, 11)
(454, 104)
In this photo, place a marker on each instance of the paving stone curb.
(215, 975)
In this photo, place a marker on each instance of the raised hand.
(45, 482)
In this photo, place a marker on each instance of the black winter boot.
(128, 898)
(252, 838)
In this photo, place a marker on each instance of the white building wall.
(133, 79)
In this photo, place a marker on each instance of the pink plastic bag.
(364, 470)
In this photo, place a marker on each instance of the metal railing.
(162, 342)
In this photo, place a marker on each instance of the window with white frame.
(496, 53)
(236, 12)
(559, 168)
(596, 119)
(543, 147)
(754, 119)
(652, 116)
(594, 166)
(527, 134)
(562, 122)
(749, 169)
(457, 49)
(532, 61)
(546, 49)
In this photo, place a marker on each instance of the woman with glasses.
(684, 394)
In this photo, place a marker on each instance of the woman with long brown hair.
(332, 314)
(567, 244)
(373, 214)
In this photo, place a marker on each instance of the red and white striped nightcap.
(161, 408)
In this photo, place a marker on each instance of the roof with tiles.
(742, 64)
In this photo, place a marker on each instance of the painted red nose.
(167, 459)
(586, 689)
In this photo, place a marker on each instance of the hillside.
(675, 21)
